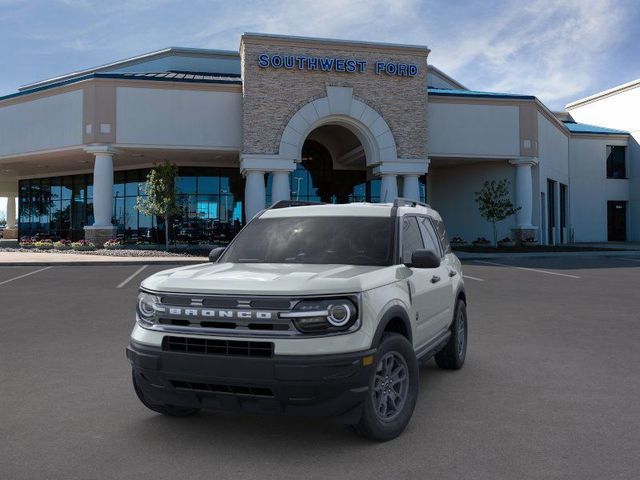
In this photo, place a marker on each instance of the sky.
(557, 50)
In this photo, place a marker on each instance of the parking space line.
(473, 278)
(528, 269)
(132, 276)
(25, 275)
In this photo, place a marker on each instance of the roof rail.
(404, 202)
(293, 203)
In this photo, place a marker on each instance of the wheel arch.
(396, 320)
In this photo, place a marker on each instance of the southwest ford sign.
(331, 64)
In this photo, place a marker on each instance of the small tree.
(494, 203)
(161, 198)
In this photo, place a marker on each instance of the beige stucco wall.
(271, 96)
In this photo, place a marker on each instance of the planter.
(459, 244)
(481, 244)
(506, 244)
(61, 248)
(27, 246)
(529, 244)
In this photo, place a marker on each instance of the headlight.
(324, 315)
(147, 307)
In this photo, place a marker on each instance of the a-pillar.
(102, 228)
(524, 228)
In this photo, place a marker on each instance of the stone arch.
(340, 108)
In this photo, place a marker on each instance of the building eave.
(603, 94)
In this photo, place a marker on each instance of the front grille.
(207, 346)
(220, 388)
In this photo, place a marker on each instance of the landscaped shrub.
(62, 244)
(83, 245)
(43, 244)
(113, 244)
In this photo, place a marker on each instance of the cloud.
(557, 50)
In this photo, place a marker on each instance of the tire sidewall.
(386, 430)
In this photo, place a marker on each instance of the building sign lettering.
(331, 64)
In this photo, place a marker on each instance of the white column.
(254, 193)
(103, 189)
(11, 211)
(280, 189)
(388, 188)
(411, 187)
(524, 192)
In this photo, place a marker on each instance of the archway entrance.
(333, 168)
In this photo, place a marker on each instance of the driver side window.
(411, 238)
(430, 237)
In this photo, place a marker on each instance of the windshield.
(337, 240)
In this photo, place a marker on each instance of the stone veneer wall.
(271, 96)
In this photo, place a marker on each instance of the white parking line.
(528, 269)
(25, 275)
(473, 278)
(132, 276)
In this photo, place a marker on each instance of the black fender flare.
(396, 311)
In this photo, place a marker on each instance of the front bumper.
(318, 385)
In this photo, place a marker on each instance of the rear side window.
(411, 238)
(442, 234)
(430, 236)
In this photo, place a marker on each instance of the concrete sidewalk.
(37, 259)
(593, 253)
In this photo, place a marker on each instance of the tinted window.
(317, 240)
(430, 237)
(442, 234)
(411, 238)
(616, 164)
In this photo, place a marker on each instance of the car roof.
(357, 209)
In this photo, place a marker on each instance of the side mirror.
(424, 258)
(215, 254)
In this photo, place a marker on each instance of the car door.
(425, 284)
(441, 303)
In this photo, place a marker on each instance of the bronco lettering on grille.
(215, 313)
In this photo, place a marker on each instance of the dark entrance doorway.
(617, 221)
(333, 169)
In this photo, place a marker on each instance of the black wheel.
(393, 390)
(452, 356)
(170, 410)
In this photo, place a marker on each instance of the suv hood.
(271, 279)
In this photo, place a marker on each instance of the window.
(411, 238)
(316, 240)
(442, 235)
(616, 161)
(430, 236)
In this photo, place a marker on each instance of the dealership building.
(310, 119)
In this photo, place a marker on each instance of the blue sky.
(556, 50)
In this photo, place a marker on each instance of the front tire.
(452, 356)
(393, 390)
(169, 410)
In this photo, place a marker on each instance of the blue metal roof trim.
(575, 127)
(450, 92)
(161, 77)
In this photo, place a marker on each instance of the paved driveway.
(551, 388)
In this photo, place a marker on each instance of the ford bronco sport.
(313, 309)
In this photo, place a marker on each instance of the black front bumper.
(318, 385)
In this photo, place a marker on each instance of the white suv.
(313, 309)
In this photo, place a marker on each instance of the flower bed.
(113, 244)
(83, 245)
(61, 245)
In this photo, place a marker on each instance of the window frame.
(401, 235)
(625, 172)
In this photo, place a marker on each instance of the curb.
(553, 255)
(89, 263)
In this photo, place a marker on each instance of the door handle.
(435, 279)
(452, 273)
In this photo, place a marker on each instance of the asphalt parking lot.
(551, 388)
